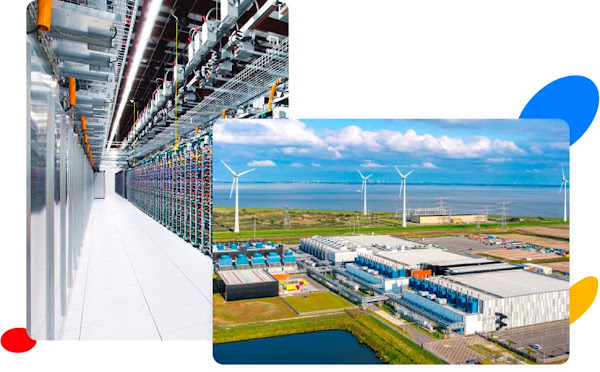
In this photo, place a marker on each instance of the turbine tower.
(364, 189)
(564, 183)
(234, 184)
(403, 187)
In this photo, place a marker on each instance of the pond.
(325, 347)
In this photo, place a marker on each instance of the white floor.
(136, 280)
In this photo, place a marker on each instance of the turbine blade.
(360, 174)
(401, 186)
(248, 171)
(368, 176)
(408, 174)
(563, 171)
(225, 164)
(561, 187)
(398, 170)
(232, 186)
(362, 186)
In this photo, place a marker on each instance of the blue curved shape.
(572, 98)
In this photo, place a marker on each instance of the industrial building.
(489, 301)
(454, 292)
(122, 99)
(339, 250)
(239, 256)
(247, 284)
(447, 219)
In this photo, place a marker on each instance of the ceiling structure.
(94, 41)
(89, 41)
(160, 51)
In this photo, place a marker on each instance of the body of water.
(534, 201)
(325, 347)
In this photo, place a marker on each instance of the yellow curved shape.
(582, 296)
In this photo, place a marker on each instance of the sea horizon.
(392, 183)
(521, 200)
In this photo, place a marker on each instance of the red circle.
(17, 340)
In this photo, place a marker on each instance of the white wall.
(110, 180)
(526, 310)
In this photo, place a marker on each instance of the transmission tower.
(286, 220)
(478, 217)
(440, 200)
(503, 211)
(486, 210)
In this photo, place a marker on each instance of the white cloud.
(429, 165)
(262, 163)
(533, 171)
(315, 165)
(371, 164)
(297, 165)
(497, 160)
(354, 137)
(426, 164)
(536, 150)
(564, 145)
(274, 132)
(294, 137)
(295, 150)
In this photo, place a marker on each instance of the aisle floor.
(136, 280)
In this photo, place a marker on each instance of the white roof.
(245, 277)
(389, 240)
(432, 256)
(508, 283)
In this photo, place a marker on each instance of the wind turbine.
(234, 184)
(364, 188)
(564, 183)
(403, 187)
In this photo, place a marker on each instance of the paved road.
(418, 337)
(455, 350)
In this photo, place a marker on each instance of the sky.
(487, 152)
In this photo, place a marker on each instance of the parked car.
(536, 346)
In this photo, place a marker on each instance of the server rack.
(175, 188)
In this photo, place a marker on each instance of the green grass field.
(309, 222)
(317, 302)
(249, 311)
(390, 346)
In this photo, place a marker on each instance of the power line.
(486, 210)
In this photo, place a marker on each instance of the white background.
(351, 59)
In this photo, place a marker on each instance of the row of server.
(121, 183)
(175, 188)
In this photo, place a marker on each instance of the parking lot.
(552, 337)
(458, 244)
(456, 350)
(470, 350)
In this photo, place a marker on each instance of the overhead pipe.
(72, 88)
(139, 126)
(272, 95)
(85, 138)
(44, 15)
(83, 123)
(224, 114)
